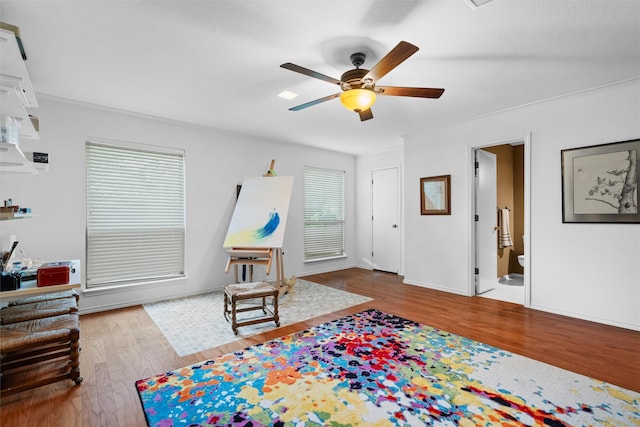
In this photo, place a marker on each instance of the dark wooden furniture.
(250, 291)
(39, 342)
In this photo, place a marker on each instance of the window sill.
(310, 261)
(128, 286)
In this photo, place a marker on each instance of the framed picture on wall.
(600, 183)
(435, 195)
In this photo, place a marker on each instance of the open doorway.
(501, 219)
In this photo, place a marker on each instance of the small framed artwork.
(600, 183)
(435, 195)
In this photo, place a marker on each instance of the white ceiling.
(216, 63)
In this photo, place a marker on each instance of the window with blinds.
(323, 214)
(135, 214)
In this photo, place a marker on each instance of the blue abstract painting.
(260, 215)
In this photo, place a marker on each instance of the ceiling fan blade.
(310, 73)
(365, 115)
(314, 102)
(418, 92)
(395, 57)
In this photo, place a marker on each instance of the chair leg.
(74, 374)
(276, 317)
(51, 361)
(226, 307)
(234, 322)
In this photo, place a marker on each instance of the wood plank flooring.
(121, 346)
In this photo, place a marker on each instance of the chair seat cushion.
(38, 310)
(18, 336)
(248, 290)
(46, 297)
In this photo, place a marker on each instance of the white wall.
(589, 271)
(215, 162)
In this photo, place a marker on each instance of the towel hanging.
(504, 232)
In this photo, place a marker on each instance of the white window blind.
(323, 213)
(135, 214)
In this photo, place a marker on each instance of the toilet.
(521, 257)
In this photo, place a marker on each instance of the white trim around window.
(135, 213)
(323, 214)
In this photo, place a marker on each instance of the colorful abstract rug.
(196, 323)
(375, 369)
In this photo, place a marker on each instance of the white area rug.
(197, 323)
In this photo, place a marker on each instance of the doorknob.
(394, 226)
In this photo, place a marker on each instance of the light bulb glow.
(358, 99)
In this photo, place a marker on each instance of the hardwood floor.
(122, 346)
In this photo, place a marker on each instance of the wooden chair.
(39, 352)
(250, 291)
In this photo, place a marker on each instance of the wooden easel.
(271, 171)
(256, 256)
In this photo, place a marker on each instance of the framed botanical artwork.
(600, 183)
(435, 195)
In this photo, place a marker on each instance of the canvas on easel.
(256, 232)
(260, 216)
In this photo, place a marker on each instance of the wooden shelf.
(30, 288)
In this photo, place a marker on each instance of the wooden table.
(29, 288)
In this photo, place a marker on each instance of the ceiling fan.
(359, 88)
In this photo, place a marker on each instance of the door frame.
(471, 249)
(400, 209)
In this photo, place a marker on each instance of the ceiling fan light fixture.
(358, 99)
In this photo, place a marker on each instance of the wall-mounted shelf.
(8, 216)
(12, 64)
(13, 160)
(16, 97)
(11, 105)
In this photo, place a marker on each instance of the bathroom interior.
(510, 195)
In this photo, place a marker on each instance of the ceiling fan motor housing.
(352, 79)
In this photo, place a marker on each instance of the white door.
(385, 217)
(486, 221)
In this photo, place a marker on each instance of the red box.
(53, 273)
